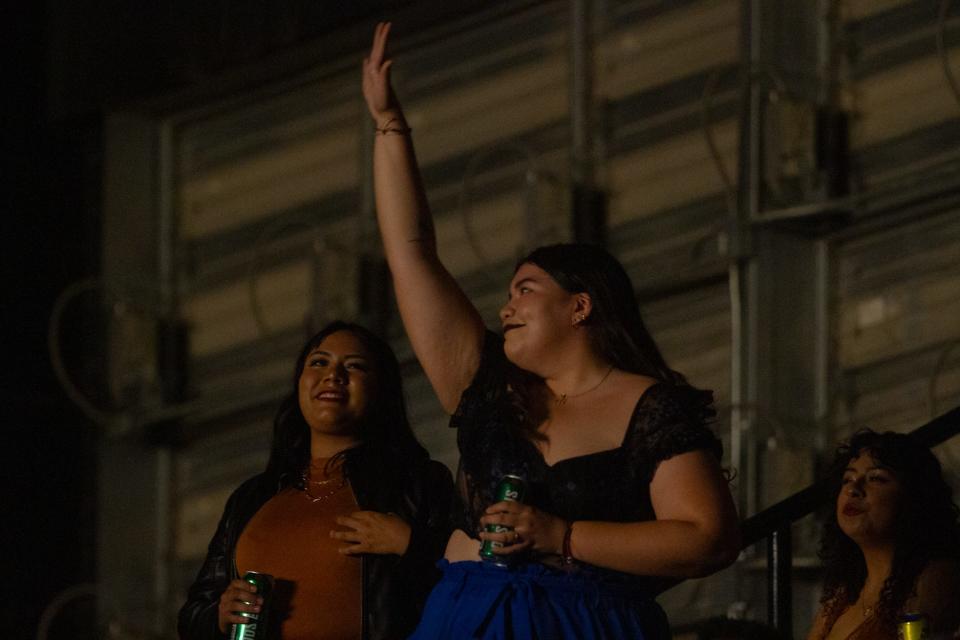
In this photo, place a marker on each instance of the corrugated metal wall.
(270, 197)
(898, 270)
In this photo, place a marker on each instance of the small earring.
(580, 317)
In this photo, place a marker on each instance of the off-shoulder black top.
(612, 485)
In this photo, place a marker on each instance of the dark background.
(69, 64)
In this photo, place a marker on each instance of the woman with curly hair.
(892, 543)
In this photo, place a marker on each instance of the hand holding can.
(511, 489)
(250, 606)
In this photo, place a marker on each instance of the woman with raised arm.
(624, 485)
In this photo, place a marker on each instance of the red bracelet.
(567, 555)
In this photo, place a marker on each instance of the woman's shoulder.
(935, 594)
(665, 402)
(672, 419)
(941, 576)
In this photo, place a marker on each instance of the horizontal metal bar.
(804, 502)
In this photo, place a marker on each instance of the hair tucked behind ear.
(615, 327)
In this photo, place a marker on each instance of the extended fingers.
(241, 585)
(347, 536)
(501, 507)
(241, 590)
(505, 518)
(511, 541)
(359, 527)
(352, 521)
(510, 536)
(378, 49)
(238, 599)
(355, 549)
(508, 506)
(358, 541)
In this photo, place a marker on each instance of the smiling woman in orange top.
(891, 546)
(349, 516)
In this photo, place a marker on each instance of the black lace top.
(612, 485)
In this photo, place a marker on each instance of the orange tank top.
(318, 590)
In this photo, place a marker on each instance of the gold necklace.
(319, 498)
(561, 399)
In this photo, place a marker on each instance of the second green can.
(256, 627)
(513, 489)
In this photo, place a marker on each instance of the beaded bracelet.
(567, 554)
(386, 128)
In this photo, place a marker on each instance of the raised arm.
(445, 329)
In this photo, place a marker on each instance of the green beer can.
(511, 488)
(912, 626)
(256, 626)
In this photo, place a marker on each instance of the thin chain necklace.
(309, 495)
(561, 399)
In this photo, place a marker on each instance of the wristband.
(386, 128)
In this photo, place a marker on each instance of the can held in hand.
(513, 489)
(912, 626)
(256, 626)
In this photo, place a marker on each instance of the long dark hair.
(615, 327)
(926, 526)
(387, 440)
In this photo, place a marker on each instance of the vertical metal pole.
(581, 165)
(588, 203)
(164, 541)
(167, 227)
(742, 275)
(779, 581)
(177, 362)
(829, 63)
(823, 342)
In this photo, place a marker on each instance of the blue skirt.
(532, 601)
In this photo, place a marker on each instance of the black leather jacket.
(394, 587)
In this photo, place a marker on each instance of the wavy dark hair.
(926, 527)
(615, 327)
(387, 440)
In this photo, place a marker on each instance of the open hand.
(532, 529)
(377, 90)
(373, 532)
(240, 596)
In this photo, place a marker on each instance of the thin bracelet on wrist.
(386, 128)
